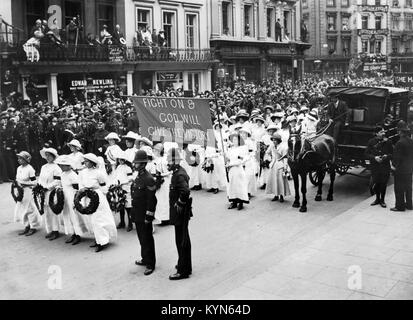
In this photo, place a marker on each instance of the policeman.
(180, 213)
(143, 211)
(379, 151)
(403, 169)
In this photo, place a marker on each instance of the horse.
(317, 155)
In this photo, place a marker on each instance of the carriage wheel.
(342, 169)
(314, 177)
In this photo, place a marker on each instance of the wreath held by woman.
(38, 195)
(56, 200)
(93, 201)
(17, 191)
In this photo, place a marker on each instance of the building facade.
(84, 66)
(331, 34)
(251, 45)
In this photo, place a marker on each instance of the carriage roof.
(379, 92)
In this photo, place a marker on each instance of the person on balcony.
(72, 31)
(278, 29)
(105, 36)
(118, 37)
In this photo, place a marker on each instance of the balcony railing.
(9, 37)
(50, 52)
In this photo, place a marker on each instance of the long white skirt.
(74, 222)
(26, 212)
(162, 195)
(51, 221)
(237, 188)
(194, 174)
(216, 179)
(277, 182)
(250, 172)
(103, 222)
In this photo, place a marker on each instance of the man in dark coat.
(180, 213)
(278, 28)
(338, 112)
(379, 151)
(403, 169)
(143, 211)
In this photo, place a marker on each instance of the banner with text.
(175, 119)
(404, 80)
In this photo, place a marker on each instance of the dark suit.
(380, 171)
(143, 208)
(278, 31)
(179, 195)
(340, 115)
(116, 36)
(403, 162)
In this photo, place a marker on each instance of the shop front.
(92, 85)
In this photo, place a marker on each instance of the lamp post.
(292, 51)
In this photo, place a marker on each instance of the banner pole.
(220, 133)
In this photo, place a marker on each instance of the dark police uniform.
(380, 171)
(403, 162)
(143, 208)
(179, 195)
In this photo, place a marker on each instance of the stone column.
(52, 90)
(185, 79)
(262, 20)
(129, 83)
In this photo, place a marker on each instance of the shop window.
(169, 80)
(191, 31)
(34, 10)
(193, 82)
(143, 18)
(227, 18)
(105, 17)
(169, 27)
(378, 22)
(364, 22)
(248, 21)
(331, 22)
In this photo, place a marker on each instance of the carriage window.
(359, 115)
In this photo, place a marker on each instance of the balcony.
(50, 53)
(9, 37)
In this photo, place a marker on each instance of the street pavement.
(344, 249)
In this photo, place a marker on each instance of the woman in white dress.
(47, 180)
(76, 156)
(277, 182)
(237, 188)
(162, 194)
(102, 220)
(264, 170)
(25, 210)
(74, 222)
(215, 179)
(123, 177)
(112, 150)
(250, 165)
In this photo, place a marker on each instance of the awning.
(367, 91)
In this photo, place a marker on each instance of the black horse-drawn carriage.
(368, 107)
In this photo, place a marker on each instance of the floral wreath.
(116, 197)
(56, 205)
(93, 203)
(16, 187)
(38, 195)
(192, 158)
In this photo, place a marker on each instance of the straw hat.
(52, 151)
(63, 160)
(291, 118)
(75, 143)
(112, 135)
(246, 130)
(92, 158)
(131, 135)
(272, 126)
(145, 140)
(25, 156)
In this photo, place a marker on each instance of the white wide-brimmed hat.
(246, 130)
(25, 156)
(75, 143)
(148, 150)
(91, 157)
(52, 151)
(272, 126)
(63, 160)
(112, 135)
(131, 135)
(145, 140)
